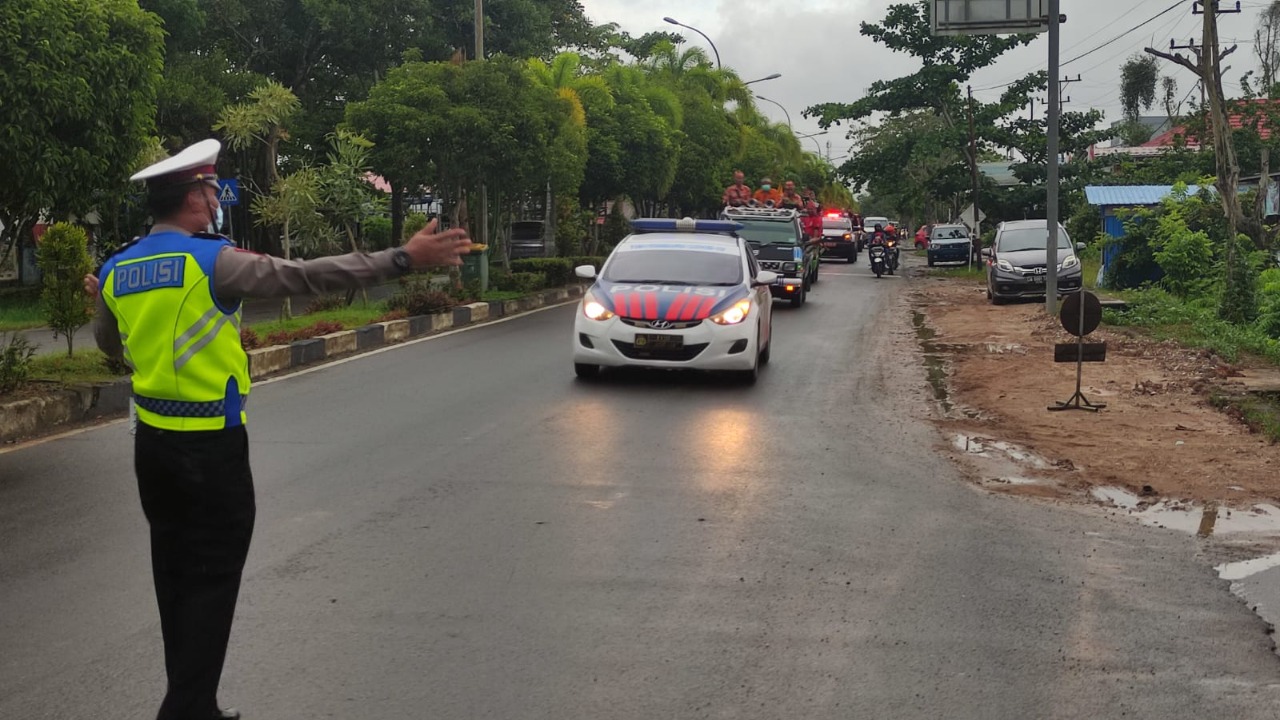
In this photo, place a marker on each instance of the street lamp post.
(814, 138)
(775, 102)
(673, 21)
(774, 76)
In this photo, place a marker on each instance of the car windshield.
(1035, 238)
(837, 224)
(655, 266)
(764, 232)
(950, 233)
(873, 221)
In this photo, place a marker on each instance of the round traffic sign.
(1071, 317)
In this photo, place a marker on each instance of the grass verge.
(1193, 323)
(86, 366)
(349, 317)
(1260, 412)
(502, 295)
(20, 311)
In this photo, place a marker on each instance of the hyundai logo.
(659, 324)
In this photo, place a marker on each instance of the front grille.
(771, 265)
(681, 354)
(673, 326)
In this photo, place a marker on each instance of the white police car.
(676, 294)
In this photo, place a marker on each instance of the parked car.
(528, 240)
(1016, 262)
(948, 243)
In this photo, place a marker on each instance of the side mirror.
(766, 277)
(986, 252)
(586, 272)
(1080, 247)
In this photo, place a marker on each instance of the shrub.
(377, 234)
(413, 222)
(326, 302)
(595, 261)
(521, 282)
(64, 260)
(418, 297)
(284, 337)
(1183, 254)
(15, 362)
(557, 271)
(249, 339)
(1240, 294)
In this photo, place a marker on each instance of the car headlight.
(848, 236)
(1004, 265)
(789, 267)
(735, 314)
(1069, 263)
(593, 309)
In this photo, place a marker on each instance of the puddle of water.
(934, 365)
(1245, 568)
(1006, 348)
(1191, 518)
(983, 447)
(1015, 480)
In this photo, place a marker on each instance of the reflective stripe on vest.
(190, 371)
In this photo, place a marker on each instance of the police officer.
(169, 306)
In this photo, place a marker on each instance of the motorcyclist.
(739, 193)
(767, 195)
(891, 240)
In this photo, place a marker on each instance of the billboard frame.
(1020, 16)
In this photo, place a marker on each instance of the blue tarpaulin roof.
(1130, 195)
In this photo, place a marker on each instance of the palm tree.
(564, 76)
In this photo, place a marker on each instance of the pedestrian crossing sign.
(229, 192)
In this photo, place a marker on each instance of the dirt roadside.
(1159, 438)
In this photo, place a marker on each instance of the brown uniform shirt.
(240, 274)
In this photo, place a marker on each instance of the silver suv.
(1016, 266)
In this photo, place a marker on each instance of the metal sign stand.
(1082, 326)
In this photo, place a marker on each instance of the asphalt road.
(458, 529)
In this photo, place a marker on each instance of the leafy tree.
(293, 205)
(79, 109)
(1266, 46)
(64, 260)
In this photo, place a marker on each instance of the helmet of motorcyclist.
(890, 229)
(879, 227)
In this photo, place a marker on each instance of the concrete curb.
(31, 417)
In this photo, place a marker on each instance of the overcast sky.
(816, 46)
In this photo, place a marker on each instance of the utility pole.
(973, 176)
(484, 189)
(1051, 196)
(1208, 67)
(1062, 101)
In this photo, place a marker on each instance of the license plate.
(1037, 279)
(659, 342)
(828, 243)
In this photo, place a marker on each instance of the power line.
(1140, 25)
(1113, 40)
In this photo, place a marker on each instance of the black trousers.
(197, 493)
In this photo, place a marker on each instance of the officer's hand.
(429, 248)
(91, 286)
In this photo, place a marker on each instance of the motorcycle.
(878, 254)
(891, 255)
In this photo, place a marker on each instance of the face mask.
(766, 187)
(215, 223)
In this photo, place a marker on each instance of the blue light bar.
(671, 225)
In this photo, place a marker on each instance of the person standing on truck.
(768, 195)
(737, 194)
